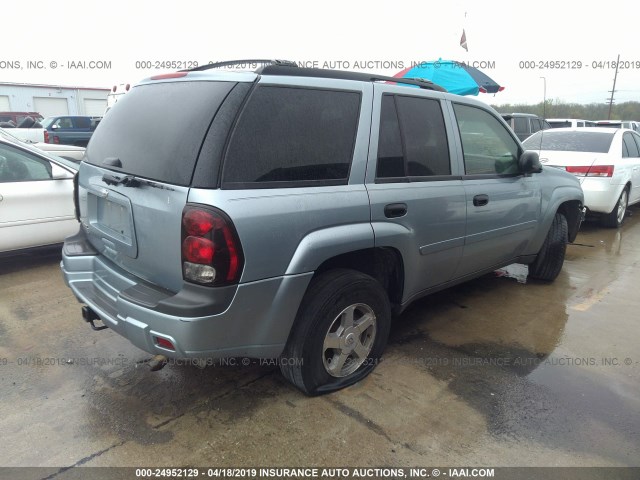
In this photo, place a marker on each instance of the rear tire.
(550, 258)
(339, 334)
(615, 218)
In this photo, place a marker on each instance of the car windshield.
(573, 141)
(46, 122)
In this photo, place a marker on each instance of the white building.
(50, 100)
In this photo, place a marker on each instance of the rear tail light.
(46, 136)
(164, 343)
(166, 76)
(56, 139)
(211, 250)
(592, 171)
(601, 171)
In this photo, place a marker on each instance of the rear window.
(521, 125)
(157, 129)
(559, 124)
(577, 141)
(290, 137)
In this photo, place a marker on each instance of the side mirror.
(54, 127)
(59, 173)
(529, 162)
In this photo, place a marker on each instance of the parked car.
(289, 212)
(635, 126)
(33, 134)
(36, 197)
(19, 118)
(525, 124)
(570, 123)
(65, 151)
(607, 162)
(117, 91)
(69, 130)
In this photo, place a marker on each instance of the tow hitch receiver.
(89, 316)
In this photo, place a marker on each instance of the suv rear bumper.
(255, 321)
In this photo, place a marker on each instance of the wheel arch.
(572, 211)
(385, 264)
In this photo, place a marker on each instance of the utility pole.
(544, 97)
(614, 88)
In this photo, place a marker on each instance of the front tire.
(340, 332)
(615, 218)
(550, 258)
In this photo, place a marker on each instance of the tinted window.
(632, 148)
(487, 146)
(536, 125)
(521, 125)
(560, 124)
(293, 135)
(64, 122)
(18, 166)
(424, 136)
(581, 124)
(390, 154)
(578, 141)
(82, 122)
(156, 130)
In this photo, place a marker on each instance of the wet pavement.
(494, 372)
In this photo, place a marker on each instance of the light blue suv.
(290, 213)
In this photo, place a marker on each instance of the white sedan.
(36, 197)
(607, 161)
(69, 152)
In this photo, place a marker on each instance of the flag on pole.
(463, 41)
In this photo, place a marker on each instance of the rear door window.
(157, 129)
(82, 122)
(632, 148)
(413, 139)
(290, 136)
(521, 125)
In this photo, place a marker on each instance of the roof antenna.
(544, 113)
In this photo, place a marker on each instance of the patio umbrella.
(456, 77)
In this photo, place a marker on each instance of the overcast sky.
(501, 36)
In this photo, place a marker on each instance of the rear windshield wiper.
(130, 181)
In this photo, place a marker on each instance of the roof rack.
(290, 68)
(231, 63)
